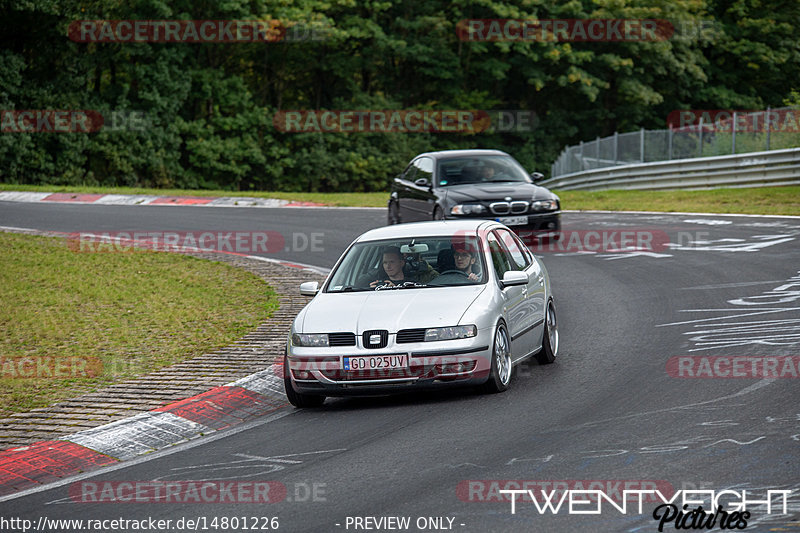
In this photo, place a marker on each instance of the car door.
(401, 192)
(533, 321)
(514, 299)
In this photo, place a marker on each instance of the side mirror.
(537, 176)
(422, 182)
(309, 288)
(514, 277)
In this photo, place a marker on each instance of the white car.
(422, 305)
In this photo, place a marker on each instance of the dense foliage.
(209, 107)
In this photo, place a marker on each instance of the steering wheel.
(454, 272)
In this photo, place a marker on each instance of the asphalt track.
(607, 411)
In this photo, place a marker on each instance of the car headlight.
(545, 205)
(310, 339)
(467, 209)
(451, 332)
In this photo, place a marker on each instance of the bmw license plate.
(375, 362)
(513, 221)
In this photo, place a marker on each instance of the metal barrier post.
(733, 135)
(769, 124)
(701, 137)
(641, 145)
(669, 142)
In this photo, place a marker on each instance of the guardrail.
(755, 169)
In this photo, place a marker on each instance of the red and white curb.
(220, 408)
(142, 199)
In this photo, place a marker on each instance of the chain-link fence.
(773, 129)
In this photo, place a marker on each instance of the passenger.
(465, 260)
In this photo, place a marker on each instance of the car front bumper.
(431, 365)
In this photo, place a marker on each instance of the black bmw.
(490, 184)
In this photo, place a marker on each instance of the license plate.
(513, 221)
(375, 362)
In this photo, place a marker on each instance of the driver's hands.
(473, 277)
(381, 282)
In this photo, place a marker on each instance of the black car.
(490, 184)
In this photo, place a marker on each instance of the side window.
(499, 257)
(410, 171)
(511, 244)
(424, 166)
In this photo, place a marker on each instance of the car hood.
(392, 310)
(496, 191)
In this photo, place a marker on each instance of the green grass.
(754, 200)
(341, 199)
(124, 313)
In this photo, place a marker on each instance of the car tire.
(438, 214)
(298, 399)
(549, 350)
(394, 216)
(501, 369)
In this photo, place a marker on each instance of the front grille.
(350, 375)
(430, 371)
(516, 207)
(519, 207)
(382, 340)
(344, 338)
(405, 336)
(500, 208)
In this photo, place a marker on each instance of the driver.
(465, 259)
(392, 273)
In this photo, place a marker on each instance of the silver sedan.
(424, 305)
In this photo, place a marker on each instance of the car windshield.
(480, 169)
(410, 263)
